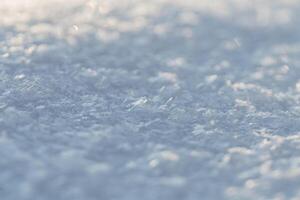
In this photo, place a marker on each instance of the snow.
(158, 99)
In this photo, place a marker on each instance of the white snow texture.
(149, 99)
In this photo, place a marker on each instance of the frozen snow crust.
(159, 99)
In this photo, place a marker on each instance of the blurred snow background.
(159, 99)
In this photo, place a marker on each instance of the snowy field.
(149, 99)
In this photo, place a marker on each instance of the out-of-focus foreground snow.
(158, 99)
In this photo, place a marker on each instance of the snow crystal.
(157, 99)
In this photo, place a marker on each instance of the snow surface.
(158, 99)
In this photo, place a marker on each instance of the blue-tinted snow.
(159, 99)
